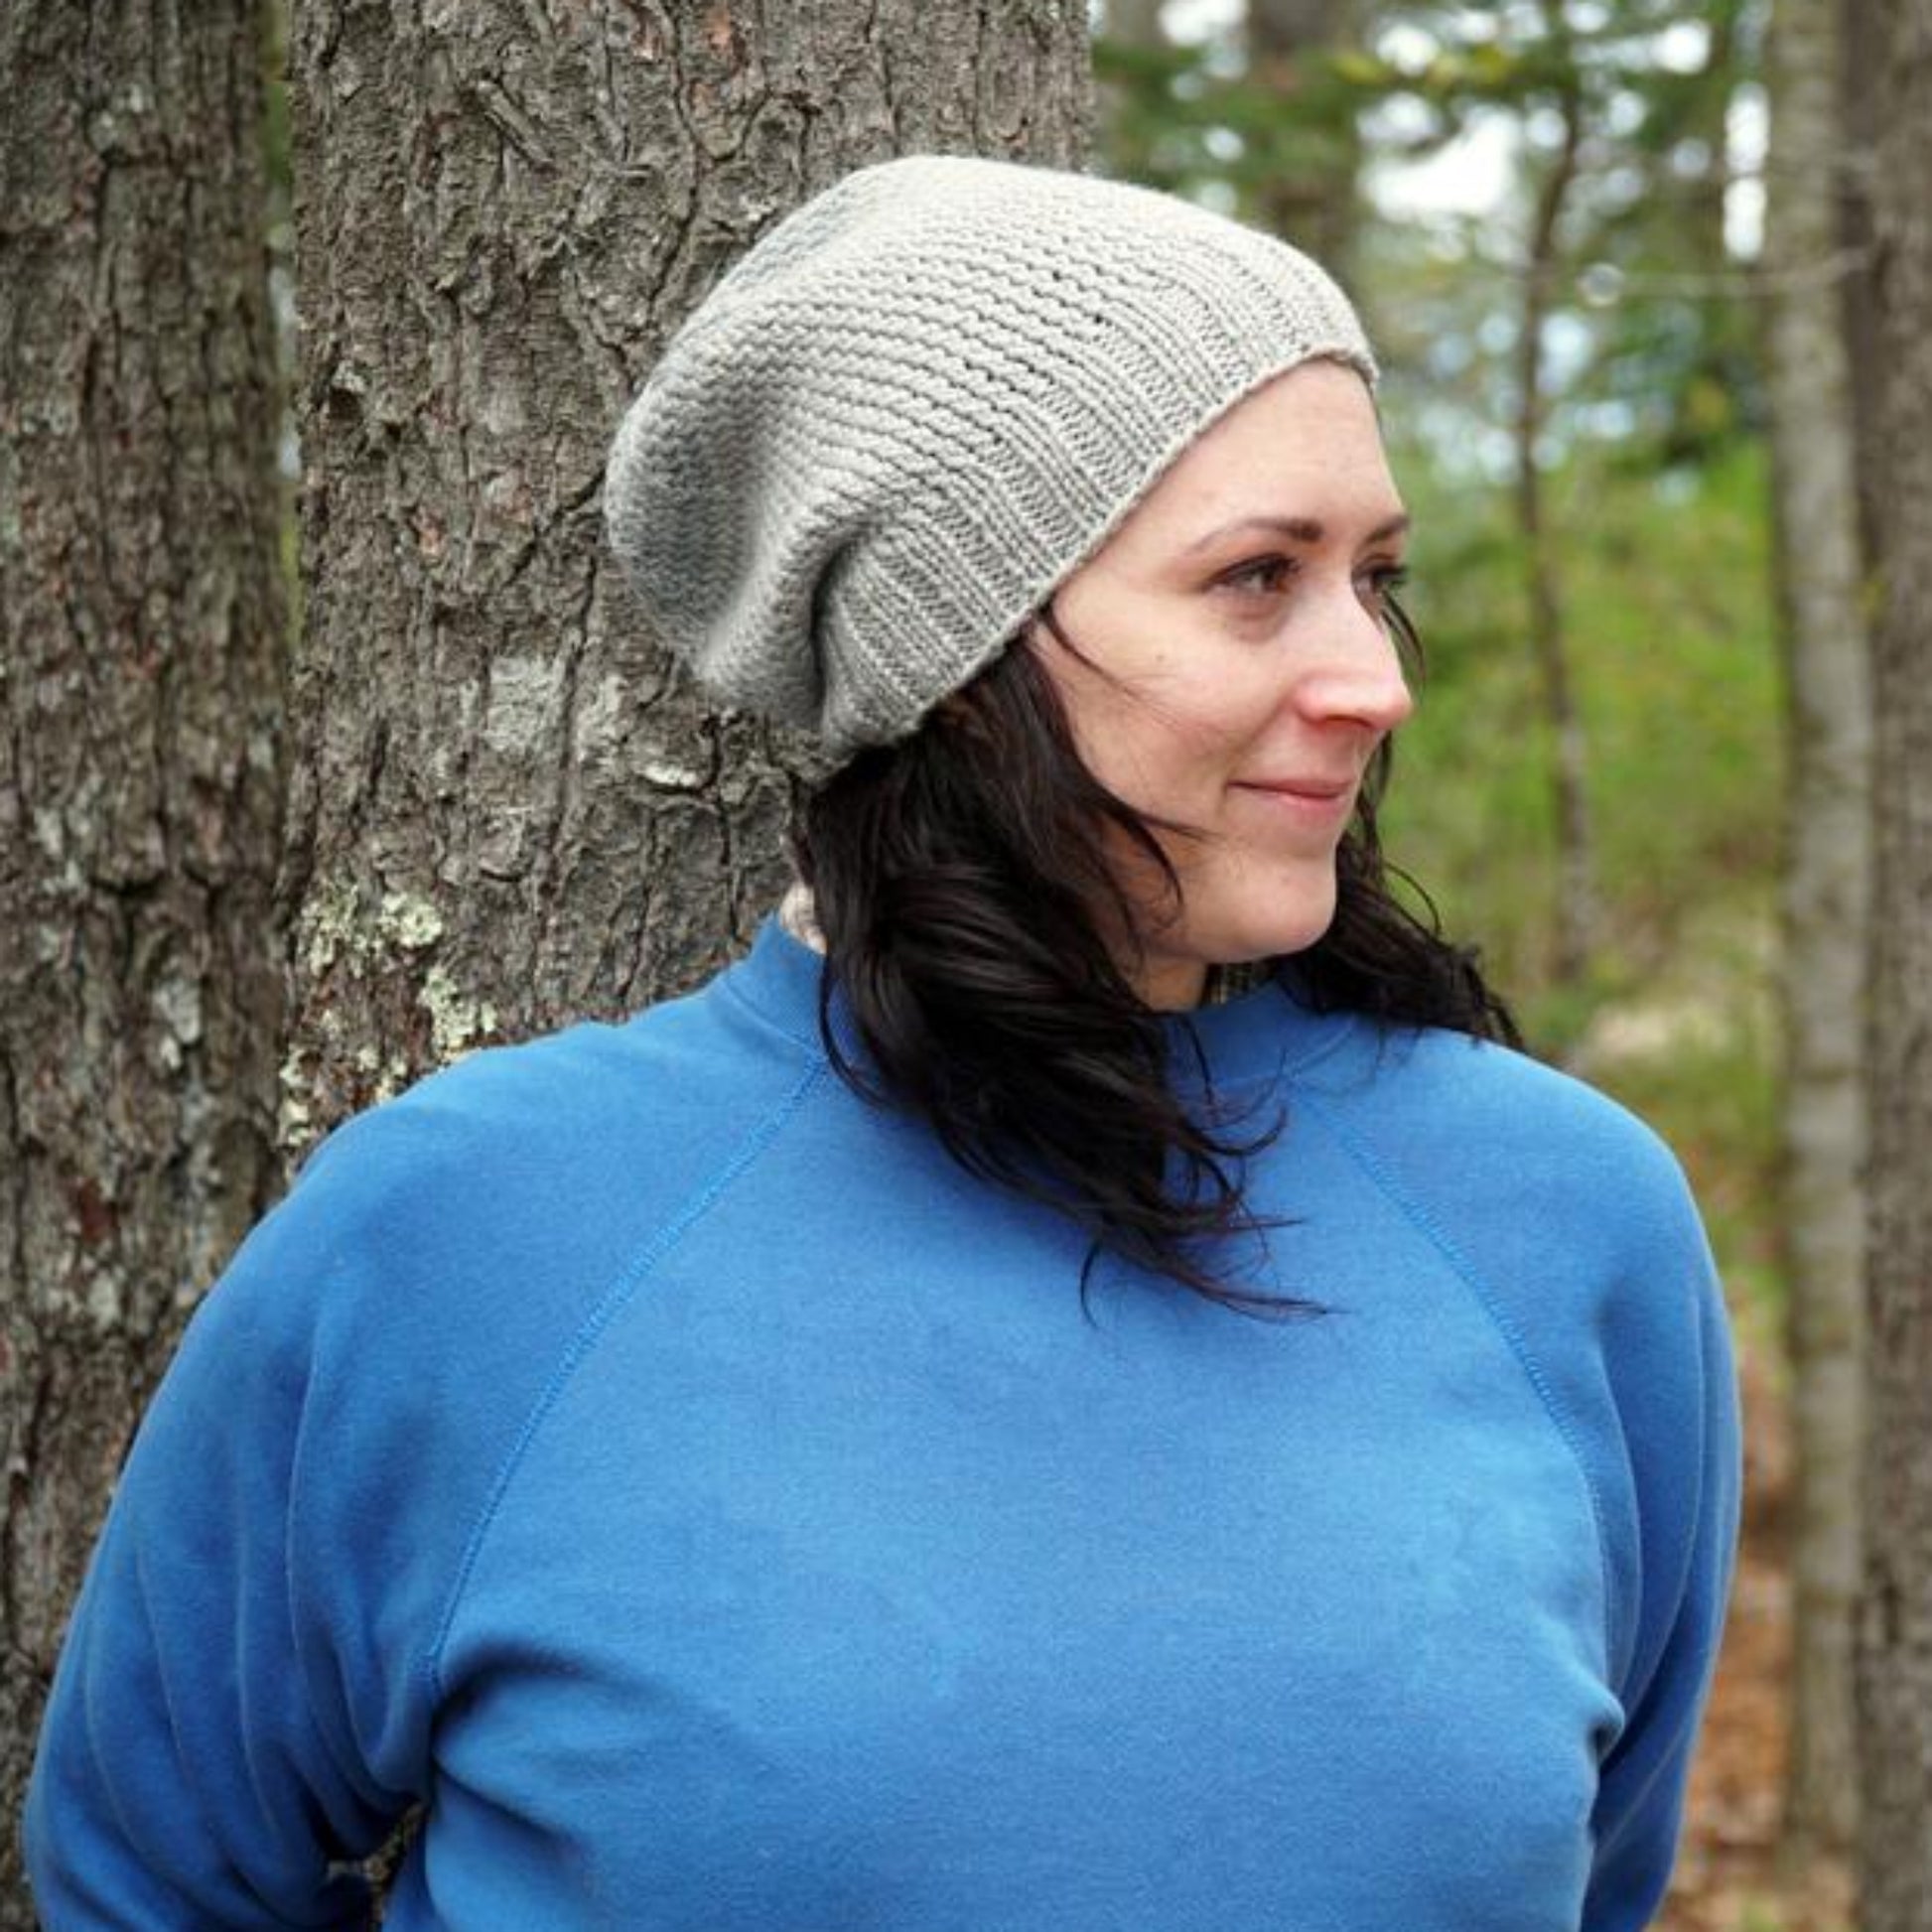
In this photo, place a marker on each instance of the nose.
(1355, 673)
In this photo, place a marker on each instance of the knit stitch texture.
(916, 405)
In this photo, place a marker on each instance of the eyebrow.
(1300, 529)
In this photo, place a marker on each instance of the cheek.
(1184, 724)
(1174, 742)
(1170, 766)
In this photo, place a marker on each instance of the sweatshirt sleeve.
(1677, 1396)
(216, 1750)
(245, 1702)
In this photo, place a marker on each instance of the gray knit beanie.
(916, 405)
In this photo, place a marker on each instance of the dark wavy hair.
(961, 879)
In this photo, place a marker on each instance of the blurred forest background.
(335, 755)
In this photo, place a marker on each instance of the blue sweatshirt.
(713, 1505)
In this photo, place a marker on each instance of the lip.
(1313, 787)
(1315, 801)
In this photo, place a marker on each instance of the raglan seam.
(584, 1339)
(1427, 1226)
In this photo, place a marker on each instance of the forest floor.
(1727, 1877)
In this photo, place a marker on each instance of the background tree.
(1300, 137)
(1827, 889)
(1896, 1626)
(1580, 311)
(507, 807)
(508, 812)
(1577, 914)
(1133, 60)
(141, 671)
(1262, 117)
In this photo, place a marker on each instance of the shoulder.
(1567, 1214)
(577, 1105)
(380, 1342)
(1574, 1222)
(1497, 1138)
(594, 1118)
(454, 1237)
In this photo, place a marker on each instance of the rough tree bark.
(1827, 887)
(141, 670)
(1895, 1668)
(507, 809)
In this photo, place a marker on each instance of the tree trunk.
(1716, 89)
(141, 668)
(1826, 874)
(1860, 28)
(1308, 195)
(508, 808)
(1576, 906)
(1134, 28)
(1895, 1624)
(1137, 22)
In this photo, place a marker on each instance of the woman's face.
(1240, 670)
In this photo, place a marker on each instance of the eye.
(1379, 584)
(1263, 576)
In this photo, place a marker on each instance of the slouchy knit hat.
(916, 405)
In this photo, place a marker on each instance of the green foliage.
(1186, 119)
(1677, 671)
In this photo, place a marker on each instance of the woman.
(826, 1453)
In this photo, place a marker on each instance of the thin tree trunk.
(1827, 885)
(507, 807)
(1716, 90)
(141, 661)
(1894, 1670)
(1137, 22)
(1576, 906)
(1310, 203)
(1133, 27)
(1860, 28)
(1727, 351)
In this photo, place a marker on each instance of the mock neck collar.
(1268, 1032)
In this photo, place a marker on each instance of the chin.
(1279, 936)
